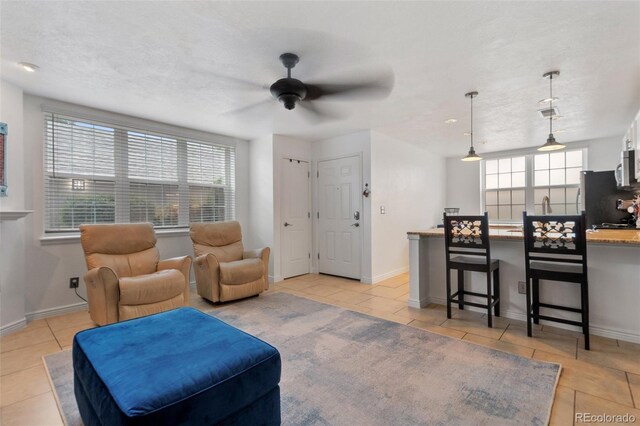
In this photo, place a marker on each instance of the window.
(101, 173)
(515, 184)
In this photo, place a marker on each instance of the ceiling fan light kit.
(471, 156)
(551, 144)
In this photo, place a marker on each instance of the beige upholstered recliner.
(126, 277)
(224, 271)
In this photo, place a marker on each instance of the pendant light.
(471, 156)
(551, 144)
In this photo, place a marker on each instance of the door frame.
(281, 215)
(364, 220)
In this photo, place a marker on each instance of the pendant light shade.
(551, 144)
(471, 156)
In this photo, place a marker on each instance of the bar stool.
(555, 249)
(467, 237)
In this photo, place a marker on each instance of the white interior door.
(295, 226)
(339, 217)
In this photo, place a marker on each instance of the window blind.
(96, 172)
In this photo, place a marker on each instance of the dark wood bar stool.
(555, 249)
(467, 238)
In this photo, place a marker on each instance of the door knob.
(356, 224)
(287, 224)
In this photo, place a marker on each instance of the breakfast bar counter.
(614, 277)
(600, 236)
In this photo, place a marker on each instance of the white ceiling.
(175, 62)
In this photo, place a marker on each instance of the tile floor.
(603, 380)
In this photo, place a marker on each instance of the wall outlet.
(522, 287)
(382, 210)
(74, 282)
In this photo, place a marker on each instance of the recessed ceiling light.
(28, 67)
(560, 130)
(546, 101)
(450, 120)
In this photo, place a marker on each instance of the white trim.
(14, 326)
(60, 310)
(418, 304)
(366, 280)
(595, 331)
(275, 279)
(390, 274)
(52, 239)
(13, 214)
(107, 117)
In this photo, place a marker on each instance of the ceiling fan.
(292, 92)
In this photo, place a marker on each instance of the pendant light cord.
(471, 121)
(551, 104)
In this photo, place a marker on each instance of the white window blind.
(96, 172)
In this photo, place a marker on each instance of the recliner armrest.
(103, 294)
(182, 264)
(207, 271)
(263, 254)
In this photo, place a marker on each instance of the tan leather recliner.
(126, 277)
(224, 270)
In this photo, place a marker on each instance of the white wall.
(46, 282)
(358, 143)
(12, 233)
(409, 182)
(463, 178)
(261, 196)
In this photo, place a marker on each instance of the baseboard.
(14, 326)
(391, 274)
(595, 330)
(275, 278)
(52, 312)
(421, 303)
(366, 280)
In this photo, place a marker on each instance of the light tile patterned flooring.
(603, 380)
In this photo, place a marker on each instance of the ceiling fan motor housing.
(289, 91)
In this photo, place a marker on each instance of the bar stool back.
(467, 238)
(556, 250)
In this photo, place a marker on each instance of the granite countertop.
(601, 236)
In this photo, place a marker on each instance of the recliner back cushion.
(223, 240)
(128, 249)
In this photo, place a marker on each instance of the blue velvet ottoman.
(175, 368)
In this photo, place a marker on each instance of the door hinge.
(318, 256)
(309, 215)
(318, 174)
(318, 215)
(309, 255)
(308, 174)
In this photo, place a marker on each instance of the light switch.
(382, 210)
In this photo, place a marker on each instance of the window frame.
(529, 179)
(121, 180)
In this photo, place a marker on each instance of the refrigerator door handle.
(578, 201)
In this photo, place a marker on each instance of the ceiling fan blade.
(240, 82)
(248, 108)
(379, 87)
(316, 115)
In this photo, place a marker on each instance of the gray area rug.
(345, 368)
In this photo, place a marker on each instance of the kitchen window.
(511, 185)
(97, 172)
